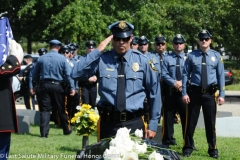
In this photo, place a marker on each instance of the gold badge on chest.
(135, 67)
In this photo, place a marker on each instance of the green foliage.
(81, 20)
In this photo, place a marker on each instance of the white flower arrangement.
(124, 147)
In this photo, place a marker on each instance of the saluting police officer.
(125, 79)
(205, 70)
(143, 45)
(89, 87)
(53, 69)
(134, 44)
(172, 69)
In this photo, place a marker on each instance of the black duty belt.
(200, 89)
(126, 116)
(108, 113)
(52, 82)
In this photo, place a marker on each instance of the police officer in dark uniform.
(53, 69)
(134, 44)
(89, 87)
(34, 86)
(24, 79)
(71, 102)
(125, 79)
(205, 70)
(172, 69)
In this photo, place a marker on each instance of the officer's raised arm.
(85, 67)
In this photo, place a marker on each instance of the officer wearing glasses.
(205, 70)
(143, 45)
(134, 44)
(172, 69)
(125, 79)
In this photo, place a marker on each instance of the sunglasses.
(158, 44)
(142, 44)
(117, 39)
(178, 43)
(66, 52)
(204, 39)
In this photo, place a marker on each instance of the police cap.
(204, 34)
(75, 45)
(134, 40)
(64, 49)
(160, 38)
(143, 40)
(55, 42)
(90, 44)
(27, 56)
(121, 29)
(178, 39)
(42, 51)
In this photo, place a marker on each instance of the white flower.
(140, 148)
(155, 156)
(130, 156)
(112, 154)
(138, 133)
(123, 132)
(78, 107)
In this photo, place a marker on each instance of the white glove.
(16, 50)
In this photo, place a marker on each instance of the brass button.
(3, 68)
(9, 66)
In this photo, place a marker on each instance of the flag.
(5, 36)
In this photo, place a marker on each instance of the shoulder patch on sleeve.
(221, 59)
(152, 66)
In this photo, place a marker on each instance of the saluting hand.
(186, 99)
(150, 134)
(104, 43)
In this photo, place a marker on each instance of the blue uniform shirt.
(140, 80)
(73, 62)
(215, 70)
(52, 66)
(169, 67)
(156, 60)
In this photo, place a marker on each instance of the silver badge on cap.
(213, 59)
(204, 31)
(135, 67)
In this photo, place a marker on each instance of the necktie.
(178, 71)
(204, 72)
(121, 94)
(161, 59)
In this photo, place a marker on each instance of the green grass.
(30, 145)
(233, 87)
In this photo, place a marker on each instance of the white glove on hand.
(16, 50)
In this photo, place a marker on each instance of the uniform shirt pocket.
(134, 81)
(108, 80)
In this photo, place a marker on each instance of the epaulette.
(11, 66)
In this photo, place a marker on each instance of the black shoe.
(214, 156)
(44, 136)
(68, 132)
(186, 154)
(173, 143)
